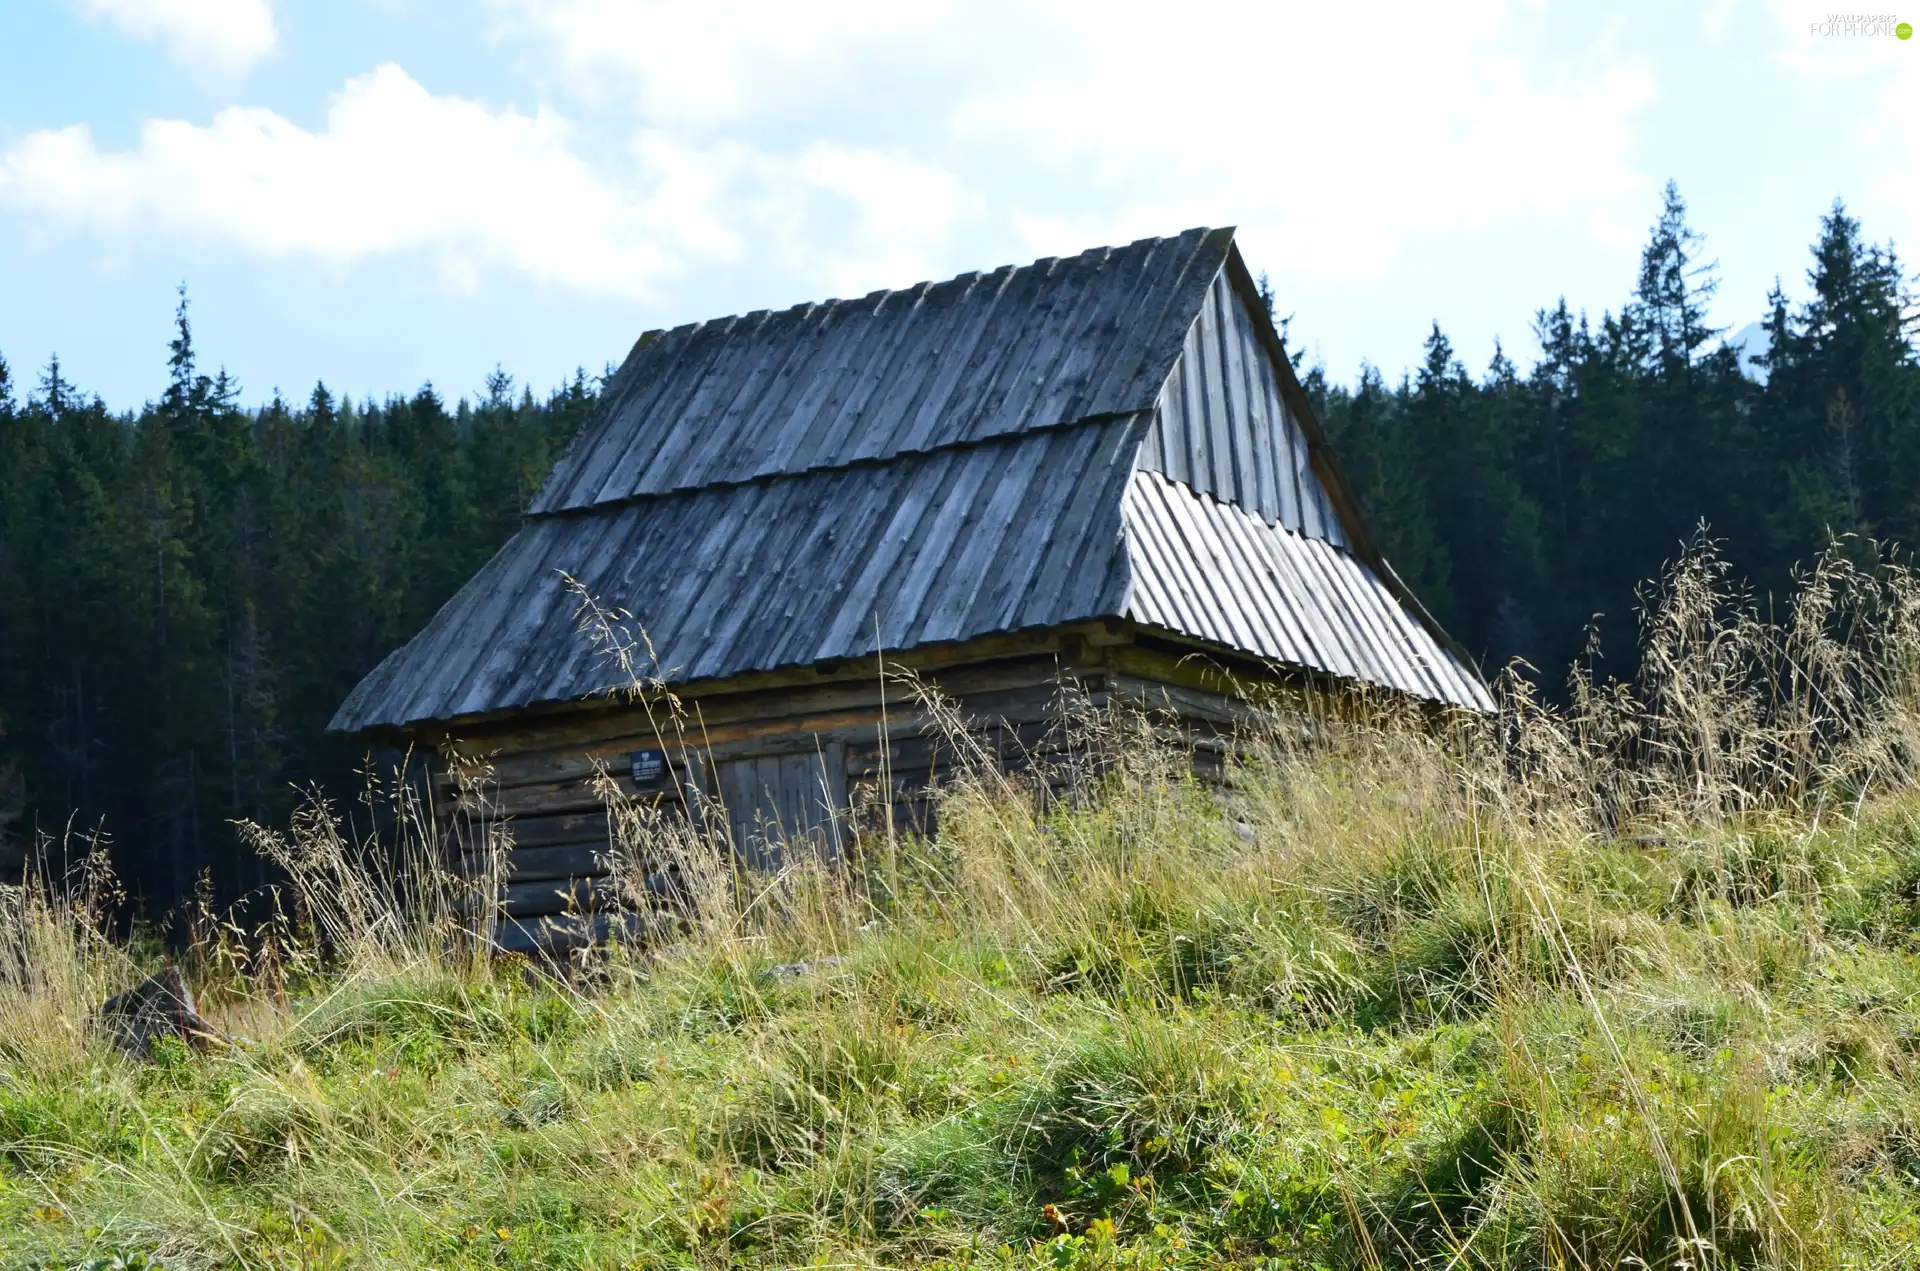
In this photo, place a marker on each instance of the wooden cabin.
(1099, 470)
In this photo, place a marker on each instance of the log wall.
(788, 759)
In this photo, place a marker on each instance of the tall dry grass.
(58, 958)
(1625, 981)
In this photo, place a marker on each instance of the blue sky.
(379, 193)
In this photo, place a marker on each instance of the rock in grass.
(159, 1006)
(794, 970)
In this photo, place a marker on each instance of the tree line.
(1526, 509)
(187, 591)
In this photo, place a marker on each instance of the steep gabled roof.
(1117, 434)
(1009, 534)
(896, 372)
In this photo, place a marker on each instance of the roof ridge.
(879, 294)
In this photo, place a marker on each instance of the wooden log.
(1181, 702)
(1169, 659)
(585, 895)
(530, 864)
(581, 791)
(530, 801)
(560, 934)
(549, 831)
(780, 740)
(905, 754)
(564, 779)
(724, 711)
(558, 896)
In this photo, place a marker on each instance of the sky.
(383, 193)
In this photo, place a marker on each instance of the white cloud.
(1335, 140)
(399, 170)
(1394, 130)
(862, 219)
(1897, 189)
(395, 169)
(729, 61)
(863, 143)
(226, 36)
(1875, 68)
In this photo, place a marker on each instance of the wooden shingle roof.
(1114, 434)
(897, 372)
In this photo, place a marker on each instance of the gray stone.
(159, 1006)
(794, 970)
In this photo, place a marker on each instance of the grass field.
(1630, 984)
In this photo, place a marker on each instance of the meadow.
(1628, 982)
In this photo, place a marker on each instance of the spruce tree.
(1842, 398)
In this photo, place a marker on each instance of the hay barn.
(1098, 470)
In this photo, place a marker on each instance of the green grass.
(1079, 1045)
(1504, 995)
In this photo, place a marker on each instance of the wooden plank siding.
(1221, 425)
(795, 765)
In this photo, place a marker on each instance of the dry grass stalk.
(1595, 887)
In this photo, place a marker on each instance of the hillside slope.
(1634, 986)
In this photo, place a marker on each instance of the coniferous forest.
(188, 591)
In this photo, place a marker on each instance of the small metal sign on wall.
(649, 769)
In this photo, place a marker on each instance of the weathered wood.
(1023, 693)
(1172, 662)
(531, 864)
(565, 895)
(933, 480)
(559, 934)
(566, 796)
(1210, 712)
(548, 831)
(964, 666)
(801, 770)
(793, 787)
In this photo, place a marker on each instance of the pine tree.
(19, 469)
(1675, 289)
(1692, 401)
(1842, 398)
